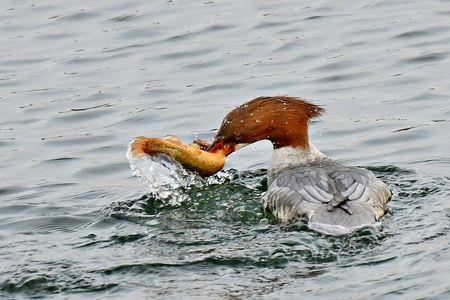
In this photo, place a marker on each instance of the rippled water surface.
(78, 80)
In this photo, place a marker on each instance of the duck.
(302, 182)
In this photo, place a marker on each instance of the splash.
(163, 176)
(166, 179)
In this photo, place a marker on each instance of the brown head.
(282, 120)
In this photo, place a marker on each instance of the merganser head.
(282, 120)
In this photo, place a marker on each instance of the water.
(79, 80)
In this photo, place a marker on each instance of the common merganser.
(302, 181)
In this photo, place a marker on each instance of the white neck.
(287, 157)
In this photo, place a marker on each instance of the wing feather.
(314, 192)
(301, 190)
(346, 193)
(357, 193)
(307, 197)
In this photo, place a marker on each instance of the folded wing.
(300, 191)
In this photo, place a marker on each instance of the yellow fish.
(191, 156)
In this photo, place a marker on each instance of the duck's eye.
(237, 136)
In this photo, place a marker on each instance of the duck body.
(335, 199)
